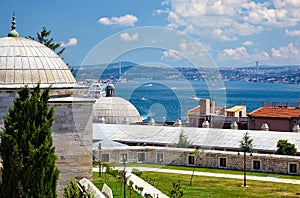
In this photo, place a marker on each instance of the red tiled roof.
(194, 110)
(276, 112)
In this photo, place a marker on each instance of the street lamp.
(246, 146)
(99, 160)
(245, 163)
(124, 173)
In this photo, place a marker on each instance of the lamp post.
(124, 174)
(246, 146)
(245, 168)
(100, 165)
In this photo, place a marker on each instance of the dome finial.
(13, 32)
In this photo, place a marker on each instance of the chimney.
(213, 107)
(152, 121)
(179, 123)
(296, 128)
(205, 124)
(204, 106)
(234, 126)
(126, 120)
(102, 120)
(264, 127)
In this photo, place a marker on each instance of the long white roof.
(200, 137)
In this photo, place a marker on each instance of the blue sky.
(234, 32)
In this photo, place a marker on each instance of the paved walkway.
(152, 190)
(148, 188)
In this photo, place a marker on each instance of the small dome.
(110, 90)
(115, 110)
(24, 61)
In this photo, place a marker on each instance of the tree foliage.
(72, 190)
(246, 143)
(183, 141)
(43, 38)
(286, 148)
(26, 147)
(176, 191)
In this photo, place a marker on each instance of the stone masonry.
(72, 137)
(179, 156)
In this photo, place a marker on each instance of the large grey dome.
(24, 61)
(115, 110)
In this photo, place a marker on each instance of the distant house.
(217, 117)
(238, 111)
(206, 111)
(280, 118)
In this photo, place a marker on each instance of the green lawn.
(221, 187)
(116, 185)
(234, 172)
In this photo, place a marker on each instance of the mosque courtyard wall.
(72, 138)
(270, 163)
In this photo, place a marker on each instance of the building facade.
(269, 163)
(277, 118)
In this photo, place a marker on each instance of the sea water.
(169, 100)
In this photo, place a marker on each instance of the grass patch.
(234, 172)
(221, 187)
(115, 184)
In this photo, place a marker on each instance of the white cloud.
(127, 37)
(229, 19)
(242, 56)
(239, 53)
(186, 50)
(71, 42)
(173, 54)
(159, 11)
(248, 43)
(223, 36)
(280, 13)
(126, 20)
(288, 52)
(262, 56)
(292, 33)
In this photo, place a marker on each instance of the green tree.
(72, 190)
(176, 191)
(286, 148)
(42, 38)
(183, 141)
(246, 145)
(26, 147)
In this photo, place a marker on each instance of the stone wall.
(72, 137)
(268, 162)
(6, 100)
